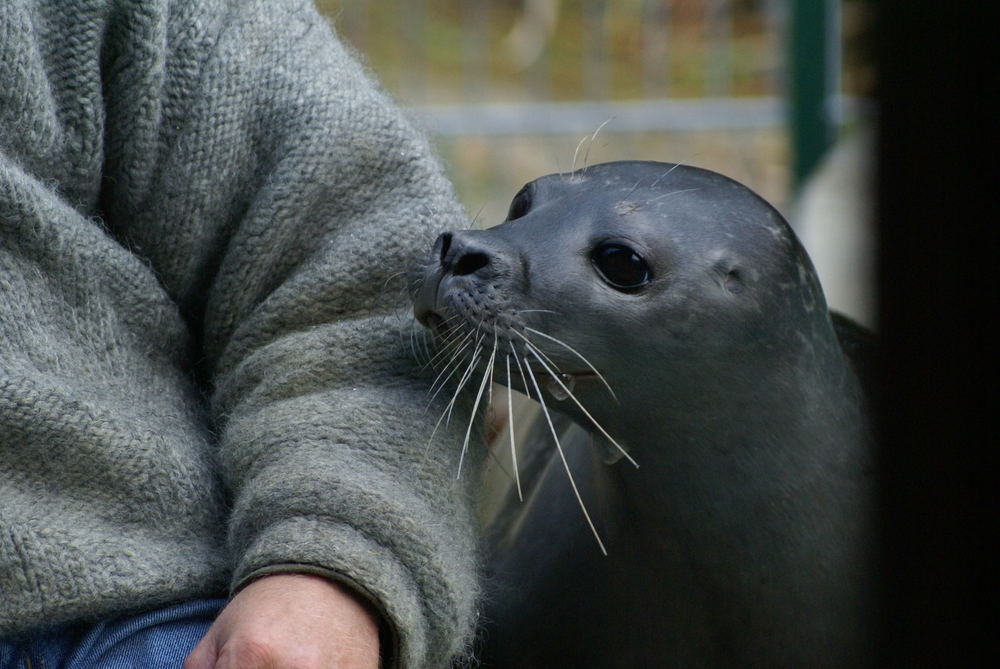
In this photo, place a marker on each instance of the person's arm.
(279, 196)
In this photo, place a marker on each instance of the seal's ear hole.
(734, 282)
(521, 203)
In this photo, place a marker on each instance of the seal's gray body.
(743, 538)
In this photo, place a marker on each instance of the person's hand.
(290, 620)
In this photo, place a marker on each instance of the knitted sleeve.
(278, 195)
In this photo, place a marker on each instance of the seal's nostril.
(464, 252)
(469, 263)
(445, 242)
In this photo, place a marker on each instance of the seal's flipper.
(860, 346)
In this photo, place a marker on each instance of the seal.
(671, 313)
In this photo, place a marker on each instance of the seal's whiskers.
(574, 352)
(593, 138)
(577, 153)
(453, 342)
(536, 311)
(663, 176)
(510, 430)
(465, 378)
(562, 456)
(520, 369)
(489, 397)
(446, 414)
(487, 375)
(425, 340)
(555, 377)
(673, 192)
(454, 365)
(539, 351)
(385, 285)
(415, 347)
(652, 185)
(400, 332)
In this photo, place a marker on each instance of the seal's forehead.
(657, 188)
(705, 208)
(628, 177)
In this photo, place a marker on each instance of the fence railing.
(509, 87)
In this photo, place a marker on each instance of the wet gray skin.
(743, 537)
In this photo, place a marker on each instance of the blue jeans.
(159, 639)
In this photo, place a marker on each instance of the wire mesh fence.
(509, 88)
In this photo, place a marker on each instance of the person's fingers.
(290, 621)
(204, 654)
(241, 654)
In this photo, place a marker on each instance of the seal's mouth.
(436, 323)
(444, 329)
(558, 380)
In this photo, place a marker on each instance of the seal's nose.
(461, 254)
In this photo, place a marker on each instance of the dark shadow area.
(937, 294)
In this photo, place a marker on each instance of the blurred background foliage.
(465, 58)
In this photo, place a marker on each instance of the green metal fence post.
(814, 63)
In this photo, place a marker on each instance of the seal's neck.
(755, 507)
(772, 453)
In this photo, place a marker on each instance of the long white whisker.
(562, 456)
(510, 429)
(537, 311)
(454, 364)
(577, 153)
(632, 190)
(521, 370)
(542, 353)
(577, 354)
(465, 378)
(450, 319)
(664, 175)
(386, 284)
(652, 185)
(475, 219)
(447, 409)
(446, 414)
(489, 398)
(452, 344)
(593, 138)
(452, 341)
(402, 339)
(413, 345)
(475, 407)
(674, 192)
(425, 342)
(555, 377)
(451, 336)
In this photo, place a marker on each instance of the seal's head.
(643, 273)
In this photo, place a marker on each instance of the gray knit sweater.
(203, 204)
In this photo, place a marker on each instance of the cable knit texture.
(203, 206)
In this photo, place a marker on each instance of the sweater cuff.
(333, 550)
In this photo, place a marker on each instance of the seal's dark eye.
(521, 203)
(620, 267)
